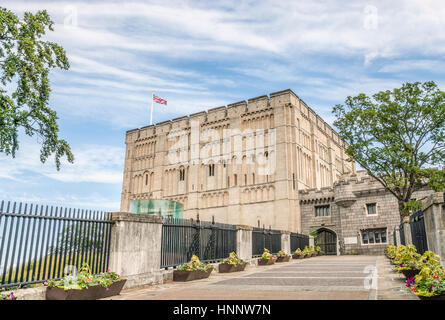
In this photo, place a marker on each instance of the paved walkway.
(391, 284)
(325, 277)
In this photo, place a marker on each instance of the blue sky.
(203, 54)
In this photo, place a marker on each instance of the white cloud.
(434, 66)
(93, 163)
(95, 201)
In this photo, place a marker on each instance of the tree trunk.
(401, 206)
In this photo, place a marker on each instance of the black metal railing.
(418, 232)
(182, 238)
(38, 242)
(265, 239)
(298, 240)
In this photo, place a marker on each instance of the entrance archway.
(327, 240)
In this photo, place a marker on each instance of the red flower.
(413, 289)
(436, 276)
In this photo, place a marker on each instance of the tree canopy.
(398, 137)
(25, 62)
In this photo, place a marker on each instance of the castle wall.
(349, 216)
(172, 160)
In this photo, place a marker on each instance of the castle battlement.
(254, 106)
(359, 177)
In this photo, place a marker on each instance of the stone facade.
(349, 215)
(269, 149)
(270, 161)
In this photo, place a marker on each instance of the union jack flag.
(159, 100)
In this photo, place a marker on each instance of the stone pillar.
(244, 242)
(285, 241)
(434, 217)
(135, 248)
(407, 232)
(311, 241)
(397, 232)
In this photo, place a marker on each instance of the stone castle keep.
(305, 185)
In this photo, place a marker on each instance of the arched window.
(211, 170)
(235, 181)
(253, 178)
(181, 174)
(146, 179)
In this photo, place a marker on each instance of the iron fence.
(37, 242)
(298, 240)
(263, 238)
(418, 233)
(181, 238)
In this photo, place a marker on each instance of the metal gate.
(182, 238)
(418, 234)
(298, 241)
(263, 238)
(327, 240)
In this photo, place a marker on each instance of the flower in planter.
(298, 252)
(8, 296)
(407, 258)
(430, 281)
(308, 250)
(85, 279)
(282, 254)
(233, 259)
(410, 282)
(195, 264)
(390, 251)
(267, 255)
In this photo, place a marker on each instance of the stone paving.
(391, 285)
(317, 278)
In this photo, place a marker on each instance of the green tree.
(25, 62)
(79, 237)
(398, 137)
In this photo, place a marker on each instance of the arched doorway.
(327, 240)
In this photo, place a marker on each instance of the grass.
(49, 267)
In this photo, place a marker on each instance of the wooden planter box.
(265, 262)
(90, 293)
(226, 268)
(186, 275)
(298, 256)
(283, 259)
(410, 273)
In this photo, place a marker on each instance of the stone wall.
(135, 248)
(348, 212)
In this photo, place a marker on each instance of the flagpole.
(151, 110)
